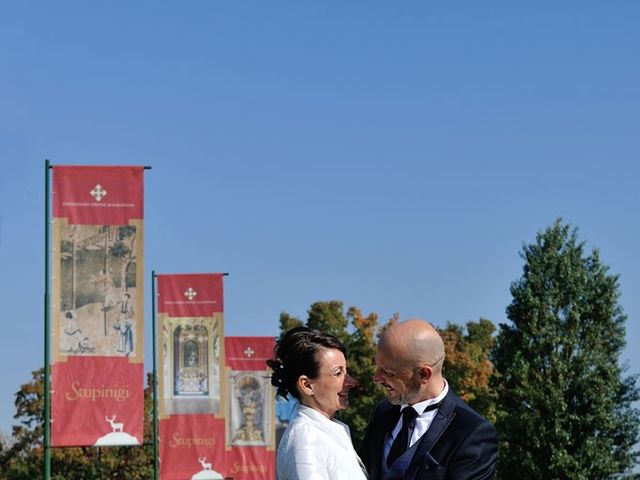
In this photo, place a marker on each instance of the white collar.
(316, 416)
(421, 406)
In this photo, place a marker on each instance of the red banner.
(97, 369)
(250, 415)
(191, 447)
(191, 376)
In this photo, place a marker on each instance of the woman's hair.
(295, 355)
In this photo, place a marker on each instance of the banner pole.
(47, 387)
(156, 473)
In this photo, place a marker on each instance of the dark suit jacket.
(459, 445)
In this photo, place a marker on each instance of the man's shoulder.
(466, 412)
(466, 419)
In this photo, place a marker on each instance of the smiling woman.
(329, 391)
(311, 366)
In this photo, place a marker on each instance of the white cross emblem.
(98, 192)
(249, 352)
(190, 294)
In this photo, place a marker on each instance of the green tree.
(565, 404)
(287, 322)
(23, 460)
(329, 317)
(467, 365)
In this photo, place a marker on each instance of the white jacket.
(316, 448)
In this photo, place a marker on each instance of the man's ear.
(425, 372)
(304, 385)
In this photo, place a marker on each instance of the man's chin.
(393, 398)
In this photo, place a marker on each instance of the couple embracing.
(421, 431)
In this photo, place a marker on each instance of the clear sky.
(393, 155)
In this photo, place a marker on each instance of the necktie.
(401, 442)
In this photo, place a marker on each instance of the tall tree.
(566, 404)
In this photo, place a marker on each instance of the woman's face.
(330, 389)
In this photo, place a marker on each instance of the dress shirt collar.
(421, 406)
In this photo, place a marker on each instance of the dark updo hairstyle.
(295, 355)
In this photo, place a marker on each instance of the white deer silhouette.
(202, 461)
(116, 426)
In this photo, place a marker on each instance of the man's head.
(409, 362)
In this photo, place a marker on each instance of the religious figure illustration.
(192, 369)
(85, 346)
(71, 337)
(190, 376)
(71, 327)
(126, 306)
(125, 342)
(98, 284)
(249, 398)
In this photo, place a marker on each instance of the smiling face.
(409, 362)
(401, 382)
(329, 391)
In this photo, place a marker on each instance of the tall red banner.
(97, 372)
(191, 377)
(250, 417)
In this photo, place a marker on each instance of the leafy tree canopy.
(565, 404)
(467, 365)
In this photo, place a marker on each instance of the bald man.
(422, 430)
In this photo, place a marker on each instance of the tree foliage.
(329, 317)
(24, 458)
(467, 365)
(566, 406)
(287, 322)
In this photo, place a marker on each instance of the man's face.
(401, 382)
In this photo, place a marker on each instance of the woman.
(311, 366)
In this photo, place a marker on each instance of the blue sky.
(395, 156)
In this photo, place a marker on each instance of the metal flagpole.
(156, 473)
(47, 387)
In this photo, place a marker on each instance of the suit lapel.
(384, 424)
(440, 422)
